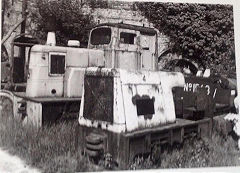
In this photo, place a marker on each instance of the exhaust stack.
(51, 28)
(51, 39)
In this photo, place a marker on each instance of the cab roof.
(143, 30)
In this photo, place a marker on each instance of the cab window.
(57, 63)
(100, 36)
(127, 38)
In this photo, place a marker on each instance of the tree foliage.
(202, 32)
(97, 3)
(70, 21)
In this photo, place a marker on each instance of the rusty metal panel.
(109, 58)
(190, 96)
(151, 85)
(192, 83)
(131, 90)
(193, 98)
(148, 47)
(223, 96)
(73, 82)
(80, 57)
(119, 113)
(126, 60)
(126, 56)
(147, 60)
(98, 98)
(191, 93)
(47, 67)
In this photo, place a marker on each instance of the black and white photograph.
(117, 85)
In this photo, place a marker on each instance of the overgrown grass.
(203, 153)
(215, 152)
(51, 149)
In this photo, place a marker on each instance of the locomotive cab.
(126, 46)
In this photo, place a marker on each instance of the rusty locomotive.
(122, 101)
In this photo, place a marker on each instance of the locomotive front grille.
(98, 98)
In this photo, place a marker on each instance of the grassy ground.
(51, 149)
(195, 153)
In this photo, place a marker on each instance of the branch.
(11, 31)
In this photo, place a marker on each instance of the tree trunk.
(11, 31)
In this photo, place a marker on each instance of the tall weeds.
(51, 149)
(214, 152)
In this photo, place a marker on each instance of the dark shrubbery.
(71, 21)
(202, 32)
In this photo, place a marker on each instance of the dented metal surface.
(132, 89)
(153, 85)
(218, 96)
(42, 82)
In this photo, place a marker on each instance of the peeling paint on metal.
(129, 86)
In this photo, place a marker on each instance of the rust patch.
(161, 109)
(155, 87)
(113, 71)
(130, 89)
(144, 78)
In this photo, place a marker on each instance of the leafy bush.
(202, 32)
(66, 16)
(97, 3)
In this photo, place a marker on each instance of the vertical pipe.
(24, 8)
(3, 11)
(23, 48)
(12, 63)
